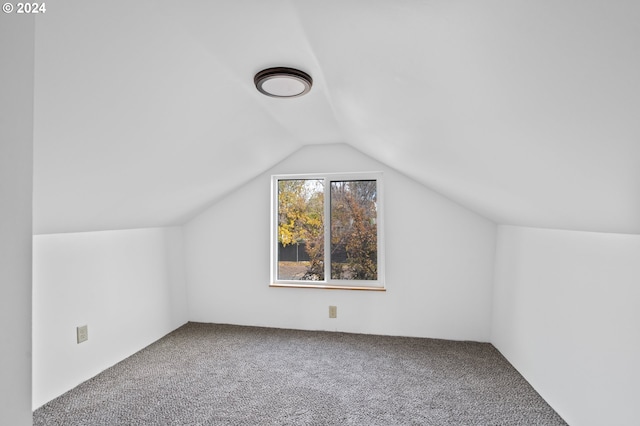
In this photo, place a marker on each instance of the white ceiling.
(527, 112)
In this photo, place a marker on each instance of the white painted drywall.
(439, 261)
(567, 316)
(127, 286)
(16, 171)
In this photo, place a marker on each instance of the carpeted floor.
(209, 374)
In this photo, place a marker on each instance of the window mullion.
(327, 230)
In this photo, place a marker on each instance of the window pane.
(301, 229)
(354, 230)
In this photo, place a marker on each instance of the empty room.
(320, 212)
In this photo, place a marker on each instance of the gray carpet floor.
(210, 374)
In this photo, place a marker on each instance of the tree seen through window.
(353, 233)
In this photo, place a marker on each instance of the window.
(327, 231)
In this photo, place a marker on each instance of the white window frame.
(329, 283)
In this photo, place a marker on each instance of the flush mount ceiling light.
(283, 82)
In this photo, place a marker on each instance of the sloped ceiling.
(527, 112)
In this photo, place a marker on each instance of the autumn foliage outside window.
(354, 234)
(301, 222)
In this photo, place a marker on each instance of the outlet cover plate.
(333, 312)
(82, 333)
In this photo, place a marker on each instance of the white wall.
(127, 286)
(439, 261)
(567, 316)
(16, 169)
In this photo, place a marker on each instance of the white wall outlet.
(333, 312)
(82, 333)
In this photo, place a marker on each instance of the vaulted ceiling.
(527, 112)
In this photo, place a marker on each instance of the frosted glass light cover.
(283, 86)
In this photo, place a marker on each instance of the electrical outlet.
(333, 312)
(82, 333)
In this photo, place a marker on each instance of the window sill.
(326, 286)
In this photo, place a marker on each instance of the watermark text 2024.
(24, 8)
